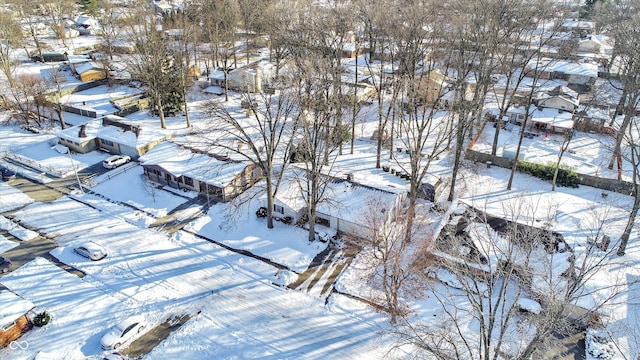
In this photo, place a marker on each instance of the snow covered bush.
(598, 345)
(41, 319)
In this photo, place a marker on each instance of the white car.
(91, 251)
(123, 332)
(114, 161)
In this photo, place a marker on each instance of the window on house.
(9, 326)
(278, 208)
(188, 181)
(106, 142)
(168, 177)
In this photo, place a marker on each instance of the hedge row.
(566, 176)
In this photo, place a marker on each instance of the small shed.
(14, 321)
(509, 152)
(90, 71)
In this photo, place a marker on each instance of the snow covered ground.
(243, 314)
(238, 311)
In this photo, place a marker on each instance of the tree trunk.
(269, 202)
(624, 239)
(619, 137)
(61, 117)
(160, 112)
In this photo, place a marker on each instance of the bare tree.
(153, 64)
(219, 21)
(29, 98)
(632, 139)
(57, 12)
(12, 38)
(28, 13)
(57, 79)
(184, 28)
(394, 266)
(111, 26)
(378, 21)
(624, 29)
(423, 129)
(506, 286)
(264, 137)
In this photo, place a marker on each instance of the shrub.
(41, 319)
(262, 212)
(566, 176)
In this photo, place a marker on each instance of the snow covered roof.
(348, 201)
(579, 24)
(553, 117)
(87, 21)
(573, 68)
(181, 161)
(13, 306)
(562, 92)
(216, 90)
(564, 66)
(218, 74)
(137, 139)
(95, 129)
(342, 199)
(91, 129)
(88, 66)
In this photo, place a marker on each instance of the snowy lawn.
(258, 321)
(243, 314)
(129, 188)
(80, 313)
(12, 198)
(6, 245)
(240, 228)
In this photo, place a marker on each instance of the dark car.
(7, 174)
(5, 264)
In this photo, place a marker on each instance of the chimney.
(83, 131)
(136, 130)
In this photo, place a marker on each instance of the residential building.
(214, 175)
(14, 319)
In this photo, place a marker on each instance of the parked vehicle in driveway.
(91, 251)
(114, 161)
(7, 173)
(123, 332)
(5, 264)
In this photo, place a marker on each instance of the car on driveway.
(114, 161)
(5, 264)
(7, 173)
(123, 332)
(91, 251)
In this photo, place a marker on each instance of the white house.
(552, 120)
(114, 134)
(347, 207)
(252, 77)
(560, 97)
